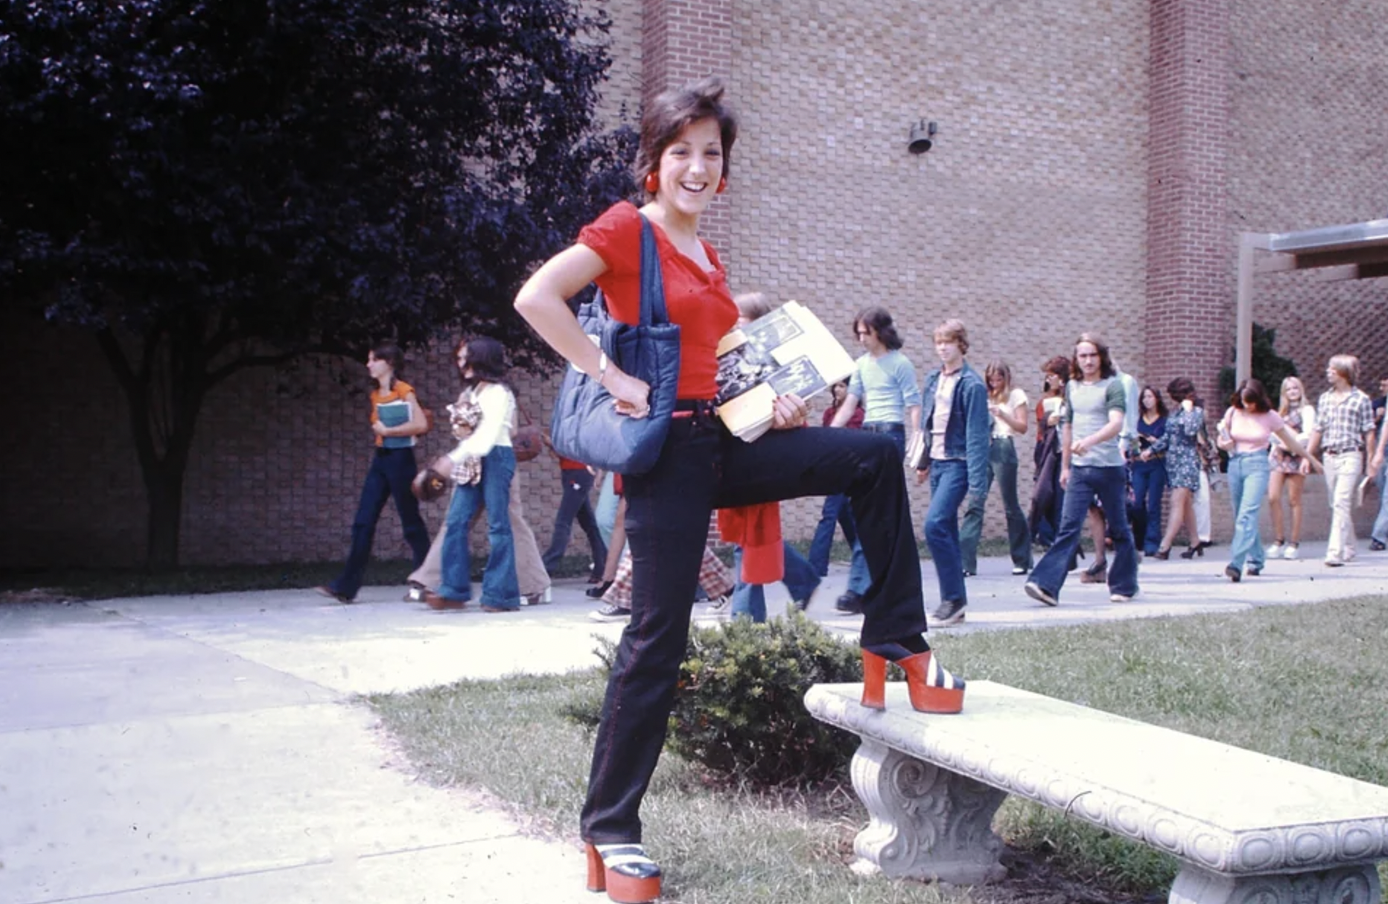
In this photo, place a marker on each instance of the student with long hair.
(683, 160)
(1008, 406)
(1183, 425)
(1285, 468)
(483, 466)
(884, 384)
(1245, 433)
(1047, 496)
(1091, 465)
(392, 469)
(1149, 467)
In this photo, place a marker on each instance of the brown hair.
(880, 322)
(672, 111)
(753, 305)
(1106, 368)
(953, 330)
(1257, 397)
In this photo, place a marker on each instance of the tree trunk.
(164, 396)
(164, 493)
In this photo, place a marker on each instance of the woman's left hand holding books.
(788, 411)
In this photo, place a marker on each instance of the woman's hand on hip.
(788, 411)
(631, 396)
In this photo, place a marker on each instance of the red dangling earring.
(722, 185)
(652, 183)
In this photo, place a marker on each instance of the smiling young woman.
(687, 137)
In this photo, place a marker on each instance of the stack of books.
(787, 351)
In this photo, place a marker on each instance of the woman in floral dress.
(1182, 460)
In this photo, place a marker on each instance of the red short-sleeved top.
(696, 299)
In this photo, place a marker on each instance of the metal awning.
(1351, 251)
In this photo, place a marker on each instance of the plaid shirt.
(1343, 423)
(714, 577)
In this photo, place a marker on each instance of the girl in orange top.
(392, 469)
(687, 136)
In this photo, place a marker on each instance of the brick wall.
(1093, 167)
(1307, 149)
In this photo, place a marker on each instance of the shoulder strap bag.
(585, 426)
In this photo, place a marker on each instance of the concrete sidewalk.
(211, 749)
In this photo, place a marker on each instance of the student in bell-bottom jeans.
(1110, 484)
(857, 569)
(703, 467)
(1248, 484)
(800, 579)
(949, 485)
(1002, 467)
(500, 587)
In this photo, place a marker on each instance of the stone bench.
(1247, 828)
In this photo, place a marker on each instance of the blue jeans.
(1002, 467)
(858, 578)
(500, 589)
(1111, 486)
(578, 483)
(1380, 530)
(835, 514)
(750, 599)
(949, 484)
(1149, 483)
(389, 476)
(1248, 484)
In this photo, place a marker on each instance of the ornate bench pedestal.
(1248, 828)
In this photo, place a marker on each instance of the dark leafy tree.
(1267, 366)
(212, 185)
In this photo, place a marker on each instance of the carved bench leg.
(927, 822)
(1356, 884)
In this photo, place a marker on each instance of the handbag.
(527, 442)
(586, 426)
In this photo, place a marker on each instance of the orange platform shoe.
(931, 687)
(624, 872)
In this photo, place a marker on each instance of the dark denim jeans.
(1002, 468)
(578, 484)
(703, 467)
(1111, 486)
(836, 514)
(750, 599)
(388, 477)
(949, 484)
(500, 588)
(1149, 484)
(858, 570)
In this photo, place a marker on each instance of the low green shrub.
(740, 709)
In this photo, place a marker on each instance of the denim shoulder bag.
(586, 427)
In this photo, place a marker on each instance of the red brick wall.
(1190, 253)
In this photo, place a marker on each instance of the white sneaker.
(1275, 551)
(1290, 551)
(1121, 597)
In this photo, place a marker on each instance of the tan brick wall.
(1307, 149)
(1025, 219)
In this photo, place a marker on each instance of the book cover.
(393, 414)
(787, 351)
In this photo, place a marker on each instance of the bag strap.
(652, 284)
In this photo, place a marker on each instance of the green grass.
(1306, 683)
(113, 583)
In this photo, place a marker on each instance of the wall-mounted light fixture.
(922, 137)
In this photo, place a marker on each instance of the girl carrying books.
(396, 419)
